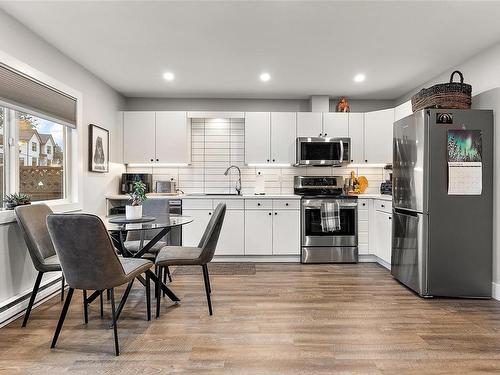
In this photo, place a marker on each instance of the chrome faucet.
(238, 183)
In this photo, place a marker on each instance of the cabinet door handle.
(276, 213)
(364, 204)
(152, 160)
(319, 135)
(269, 214)
(352, 160)
(286, 204)
(382, 206)
(326, 134)
(258, 204)
(366, 161)
(157, 159)
(210, 213)
(274, 160)
(268, 160)
(390, 218)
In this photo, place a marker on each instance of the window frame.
(72, 163)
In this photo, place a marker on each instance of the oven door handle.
(343, 205)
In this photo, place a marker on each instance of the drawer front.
(286, 204)
(384, 206)
(258, 204)
(231, 204)
(196, 204)
(362, 205)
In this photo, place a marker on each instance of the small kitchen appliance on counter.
(128, 180)
(166, 187)
(319, 243)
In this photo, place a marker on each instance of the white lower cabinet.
(232, 236)
(363, 225)
(383, 235)
(286, 232)
(192, 232)
(258, 232)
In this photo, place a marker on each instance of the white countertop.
(249, 196)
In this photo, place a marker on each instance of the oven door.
(312, 232)
(318, 151)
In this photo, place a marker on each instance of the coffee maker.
(128, 180)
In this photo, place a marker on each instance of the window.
(2, 132)
(43, 179)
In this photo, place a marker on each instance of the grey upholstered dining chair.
(32, 221)
(135, 240)
(189, 256)
(89, 261)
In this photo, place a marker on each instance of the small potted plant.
(137, 196)
(17, 199)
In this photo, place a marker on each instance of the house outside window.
(33, 162)
(49, 150)
(33, 146)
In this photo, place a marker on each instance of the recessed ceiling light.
(264, 77)
(169, 76)
(359, 77)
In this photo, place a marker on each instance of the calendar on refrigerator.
(464, 162)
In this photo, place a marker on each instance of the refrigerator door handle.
(405, 212)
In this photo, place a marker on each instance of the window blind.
(25, 93)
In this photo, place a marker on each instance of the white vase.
(133, 212)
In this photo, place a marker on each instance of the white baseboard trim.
(495, 291)
(258, 258)
(16, 310)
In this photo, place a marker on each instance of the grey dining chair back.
(32, 221)
(157, 208)
(208, 242)
(89, 261)
(85, 250)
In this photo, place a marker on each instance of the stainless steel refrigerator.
(441, 239)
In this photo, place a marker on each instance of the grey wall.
(100, 106)
(491, 100)
(250, 105)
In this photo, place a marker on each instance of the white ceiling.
(219, 49)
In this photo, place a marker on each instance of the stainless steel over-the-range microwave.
(322, 151)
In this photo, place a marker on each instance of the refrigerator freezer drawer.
(409, 250)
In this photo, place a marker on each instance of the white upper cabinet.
(378, 136)
(309, 124)
(257, 137)
(173, 137)
(138, 137)
(402, 110)
(336, 124)
(283, 130)
(356, 133)
(163, 137)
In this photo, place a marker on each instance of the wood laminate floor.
(285, 319)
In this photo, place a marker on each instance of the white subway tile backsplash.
(218, 143)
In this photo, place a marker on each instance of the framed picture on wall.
(98, 149)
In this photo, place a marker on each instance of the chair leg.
(158, 293)
(164, 269)
(113, 315)
(62, 317)
(207, 287)
(102, 303)
(168, 274)
(148, 296)
(156, 284)
(208, 279)
(108, 296)
(85, 307)
(32, 298)
(62, 287)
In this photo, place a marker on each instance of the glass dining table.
(118, 228)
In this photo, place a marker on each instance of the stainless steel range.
(320, 244)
